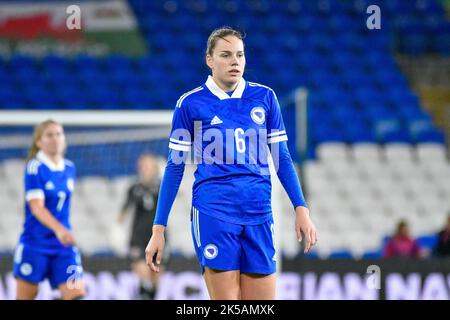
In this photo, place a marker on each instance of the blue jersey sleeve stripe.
(277, 139)
(278, 133)
(179, 147)
(175, 141)
(32, 167)
(254, 84)
(184, 96)
(34, 194)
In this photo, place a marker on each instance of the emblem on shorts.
(258, 115)
(210, 251)
(26, 269)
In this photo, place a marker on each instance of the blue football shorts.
(34, 266)
(227, 246)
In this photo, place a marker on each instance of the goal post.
(88, 118)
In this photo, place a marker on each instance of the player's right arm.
(35, 197)
(44, 216)
(181, 139)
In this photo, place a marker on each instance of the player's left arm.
(286, 172)
(289, 179)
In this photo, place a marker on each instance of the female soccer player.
(142, 196)
(46, 248)
(229, 122)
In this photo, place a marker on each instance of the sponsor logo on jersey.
(49, 186)
(216, 120)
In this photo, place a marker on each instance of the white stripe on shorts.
(196, 227)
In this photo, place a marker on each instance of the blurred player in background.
(142, 197)
(46, 248)
(443, 243)
(232, 224)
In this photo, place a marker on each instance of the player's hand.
(155, 247)
(65, 236)
(304, 224)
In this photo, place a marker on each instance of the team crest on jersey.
(70, 184)
(210, 251)
(258, 115)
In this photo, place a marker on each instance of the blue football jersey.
(53, 183)
(229, 137)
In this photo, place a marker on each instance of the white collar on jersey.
(41, 156)
(222, 95)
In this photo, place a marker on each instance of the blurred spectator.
(142, 198)
(402, 244)
(443, 245)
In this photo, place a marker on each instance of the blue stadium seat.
(54, 62)
(431, 135)
(338, 22)
(359, 134)
(368, 98)
(395, 136)
(89, 76)
(345, 115)
(430, 7)
(39, 97)
(19, 61)
(10, 97)
(311, 255)
(288, 42)
(137, 99)
(316, 81)
(428, 241)
(441, 39)
(372, 255)
(74, 100)
(56, 75)
(413, 36)
(117, 62)
(326, 133)
(341, 254)
(24, 75)
(84, 62)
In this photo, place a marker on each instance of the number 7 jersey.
(229, 134)
(54, 184)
